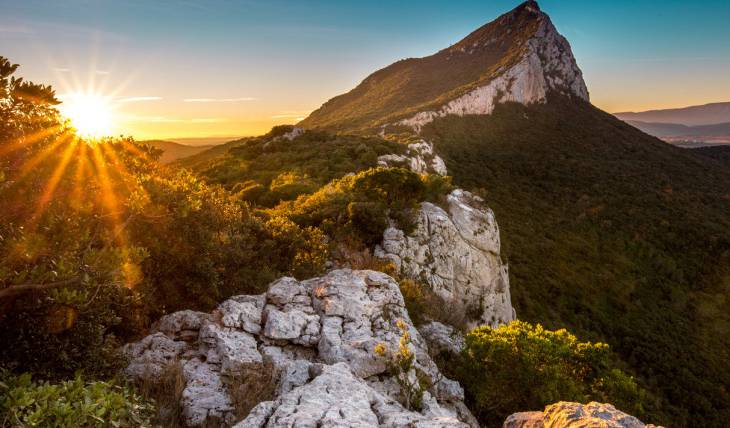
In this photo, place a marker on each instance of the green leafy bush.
(77, 403)
(522, 366)
(360, 205)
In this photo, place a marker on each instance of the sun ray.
(53, 182)
(80, 176)
(30, 164)
(109, 199)
(29, 139)
(132, 148)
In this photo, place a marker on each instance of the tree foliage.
(97, 239)
(361, 205)
(521, 367)
(269, 169)
(75, 402)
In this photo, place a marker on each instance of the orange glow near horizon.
(90, 114)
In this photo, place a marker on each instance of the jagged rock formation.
(419, 158)
(547, 64)
(442, 338)
(317, 337)
(294, 133)
(455, 252)
(518, 57)
(575, 415)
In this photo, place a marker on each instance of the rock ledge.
(317, 338)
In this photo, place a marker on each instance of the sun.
(90, 114)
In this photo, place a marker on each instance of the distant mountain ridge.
(706, 114)
(679, 130)
(172, 151)
(518, 57)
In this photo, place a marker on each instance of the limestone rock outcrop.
(317, 338)
(455, 251)
(546, 64)
(420, 158)
(575, 415)
(442, 338)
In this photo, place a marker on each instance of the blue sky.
(254, 63)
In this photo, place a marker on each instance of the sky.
(201, 68)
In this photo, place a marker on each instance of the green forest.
(613, 234)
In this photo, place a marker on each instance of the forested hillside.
(612, 233)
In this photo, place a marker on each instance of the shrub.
(25, 403)
(360, 204)
(251, 388)
(166, 392)
(369, 218)
(613, 234)
(400, 366)
(415, 299)
(522, 366)
(286, 169)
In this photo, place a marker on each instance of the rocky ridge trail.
(317, 338)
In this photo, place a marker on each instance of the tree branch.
(15, 290)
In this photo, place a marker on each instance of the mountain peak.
(518, 57)
(530, 5)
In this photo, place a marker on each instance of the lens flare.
(90, 114)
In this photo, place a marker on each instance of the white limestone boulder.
(575, 415)
(455, 251)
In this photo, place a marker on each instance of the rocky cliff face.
(546, 63)
(455, 252)
(317, 338)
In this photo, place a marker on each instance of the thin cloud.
(15, 29)
(102, 72)
(287, 116)
(137, 99)
(208, 120)
(62, 70)
(163, 119)
(153, 119)
(218, 100)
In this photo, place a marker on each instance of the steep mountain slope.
(608, 231)
(719, 153)
(518, 57)
(707, 114)
(172, 151)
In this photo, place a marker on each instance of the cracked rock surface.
(455, 251)
(420, 157)
(317, 337)
(575, 415)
